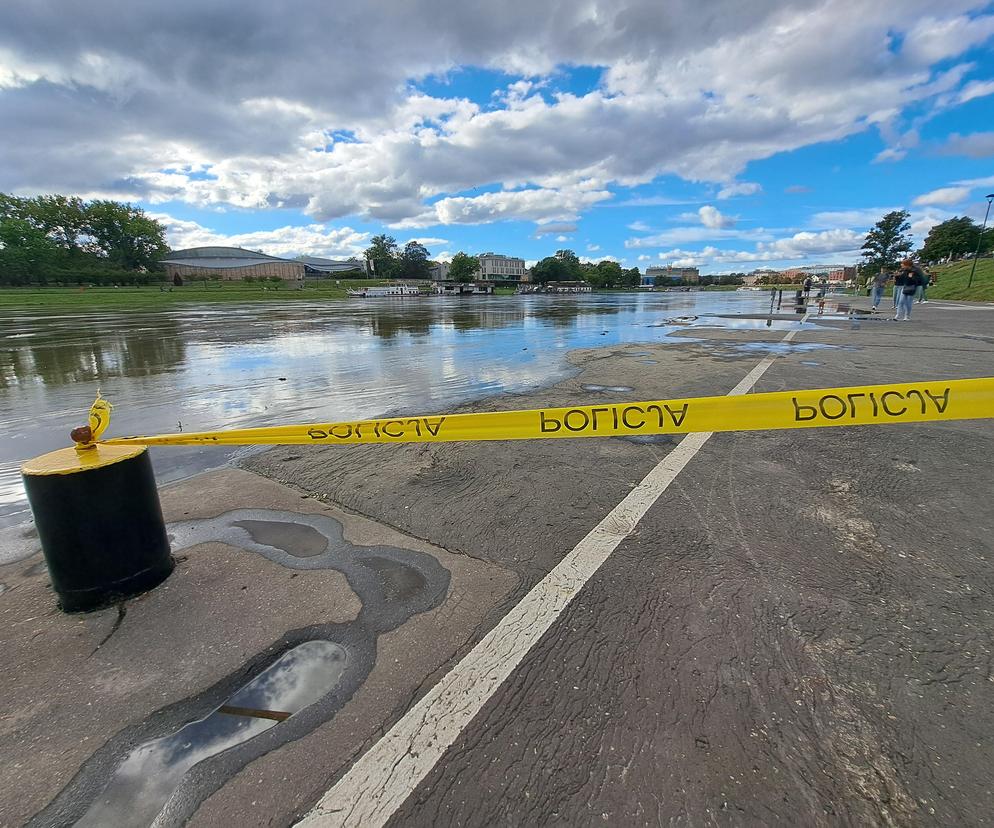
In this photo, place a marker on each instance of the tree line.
(889, 241)
(57, 239)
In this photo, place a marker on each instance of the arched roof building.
(237, 263)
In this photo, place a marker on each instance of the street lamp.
(980, 240)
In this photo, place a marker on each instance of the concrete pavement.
(797, 630)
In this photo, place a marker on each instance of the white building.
(497, 268)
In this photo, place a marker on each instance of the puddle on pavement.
(808, 362)
(3, 588)
(398, 582)
(189, 750)
(738, 322)
(648, 362)
(297, 539)
(652, 439)
(146, 779)
(609, 389)
(780, 347)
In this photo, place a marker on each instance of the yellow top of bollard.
(72, 460)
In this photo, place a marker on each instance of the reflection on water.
(147, 777)
(220, 366)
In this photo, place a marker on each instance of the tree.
(463, 268)
(124, 235)
(571, 265)
(606, 274)
(550, 269)
(26, 253)
(382, 256)
(67, 239)
(888, 242)
(631, 278)
(62, 218)
(414, 261)
(952, 239)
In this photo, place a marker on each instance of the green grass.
(154, 297)
(950, 281)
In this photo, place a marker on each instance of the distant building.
(497, 268)
(658, 276)
(439, 271)
(238, 263)
(316, 267)
(834, 274)
(766, 273)
(230, 263)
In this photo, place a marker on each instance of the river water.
(253, 364)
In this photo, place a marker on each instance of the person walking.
(906, 284)
(920, 295)
(879, 283)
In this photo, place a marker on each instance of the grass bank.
(951, 280)
(154, 297)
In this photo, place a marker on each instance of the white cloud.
(690, 235)
(803, 246)
(739, 188)
(593, 248)
(796, 189)
(640, 227)
(922, 222)
(427, 241)
(654, 201)
(554, 229)
(943, 195)
(312, 239)
(713, 218)
(975, 89)
(976, 145)
(562, 238)
(541, 205)
(863, 217)
(215, 111)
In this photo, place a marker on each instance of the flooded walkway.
(267, 364)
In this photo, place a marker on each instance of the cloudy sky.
(730, 134)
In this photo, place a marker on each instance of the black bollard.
(98, 517)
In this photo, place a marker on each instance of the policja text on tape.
(916, 402)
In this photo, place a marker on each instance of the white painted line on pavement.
(379, 782)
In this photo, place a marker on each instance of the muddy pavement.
(799, 630)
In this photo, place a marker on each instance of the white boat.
(384, 291)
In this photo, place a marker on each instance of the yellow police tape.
(913, 402)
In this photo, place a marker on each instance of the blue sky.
(731, 136)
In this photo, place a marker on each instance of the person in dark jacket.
(909, 278)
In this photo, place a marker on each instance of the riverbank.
(952, 280)
(165, 297)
